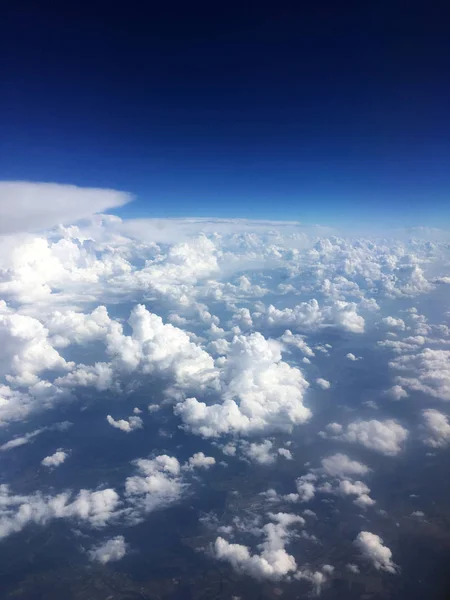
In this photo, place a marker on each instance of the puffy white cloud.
(394, 323)
(323, 383)
(373, 549)
(396, 392)
(261, 453)
(158, 484)
(386, 437)
(298, 341)
(25, 350)
(340, 465)
(306, 488)
(16, 512)
(54, 460)
(287, 454)
(155, 347)
(344, 314)
(200, 461)
(127, 426)
(28, 206)
(352, 357)
(260, 393)
(113, 549)
(273, 562)
(427, 372)
(436, 428)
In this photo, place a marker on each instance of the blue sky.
(326, 114)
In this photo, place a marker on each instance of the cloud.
(306, 488)
(373, 549)
(261, 453)
(261, 393)
(21, 440)
(427, 372)
(352, 357)
(386, 437)
(436, 429)
(323, 383)
(273, 562)
(393, 323)
(396, 392)
(287, 454)
(340, 465)
(28, 206)
(113, 549)
(54, 460)
(200, 461)
(158, 484)
(127, 426)
(16, 511)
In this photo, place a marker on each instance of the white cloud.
(260, 393)
(436, 428)
(16, 512)
(28, 206)
(298, 341)
(113, 549)
(200, 461)
(158, 484)
(127, 426)
(373, 549)
(352, 357)
(340, 465)
(287, 454)
(323, 383)
(394, 323)
(306, 488)
(54, 460)
(261, 453)
(273, 562)
(396, 392)
(427, 372)
(155, 347)
(386, 437)
(21, 440)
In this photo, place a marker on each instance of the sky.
(322, 112)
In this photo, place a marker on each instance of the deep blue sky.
(313, 111)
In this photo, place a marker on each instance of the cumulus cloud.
(373, 549)
(261, 393)
(29, 206)
(427, 372)
(323, 383)
(393, 323)
(340, 465)
(158, 484)
(127, 426)
(261, 453)
(273, 562)
(54, 460)
(200, 461)
(111, 550)
(396, 392)
(386, 437)
(17, 511)
(436, 429)
(287, 454)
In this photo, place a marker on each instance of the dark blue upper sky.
(313, 111)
